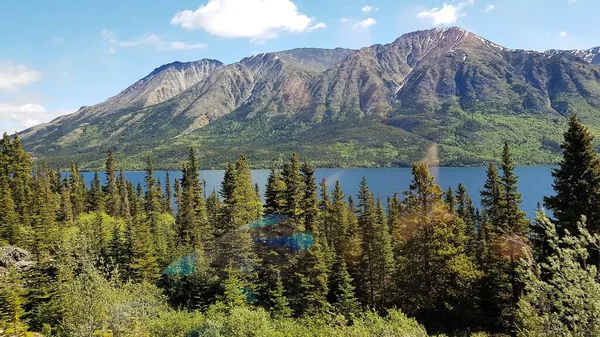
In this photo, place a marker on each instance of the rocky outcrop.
(14, 256)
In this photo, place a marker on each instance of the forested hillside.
(158, 259)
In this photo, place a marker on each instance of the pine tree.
(275, 193)
(511, 218)
(192, 227)
(576, 181)
(20, 169)
(341, 290)
(450, 199)
(243, 205)
(153, 203)
(96, 196)
(78, 191)
(435, 276)
(234, 295)
(293, 192)
(44, 213)
(12, 230)
(492, 193)
(377, 258)
(12, 302)
(338, 222)
(310, 202)
(308, 284)
(144, 265)
(213, 210)
(124, 196)
(168, 207)
(113, 199)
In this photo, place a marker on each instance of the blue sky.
(58, 55)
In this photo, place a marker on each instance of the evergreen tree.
(511, 218)
(275, 193)
(12, 302)
(561, 293)
(450, 199)
(78, 191)
(243, 205)
(293, 191)
(19, 165)
(12, 231)
(191, 216)
(113, 199)
(435, 277)
(310, 202)
(337, 223)
(168, 207)
(576, 181)
(124, 195)
(341, 290)
(96, 196)
(309, 282)
(377, 258)
(144, 265)
(492, 193)
(214, 208)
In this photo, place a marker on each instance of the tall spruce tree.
(576, 181)
(192, 227)
(377, 257)
(310, 201)
(96, 195)
(113, 199)
(293, 184)
(275, 193)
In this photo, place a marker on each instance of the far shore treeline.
(163, 259)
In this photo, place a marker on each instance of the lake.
(535, 182)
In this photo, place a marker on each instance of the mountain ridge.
(423, 88)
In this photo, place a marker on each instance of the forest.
(163, 259)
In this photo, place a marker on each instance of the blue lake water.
(535, 182)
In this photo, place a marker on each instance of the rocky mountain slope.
(446, 93)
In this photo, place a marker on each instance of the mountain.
(444, 94)
(591, 55)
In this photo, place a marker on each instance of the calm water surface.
(534, 181)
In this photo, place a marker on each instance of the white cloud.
(447, 14)
(319, 25)
(564, 33)
(18, 117)
(573, 1)
(253, 19)
(489, 8)
(366, 9)
(366, 23)
(148, 40)
(14, 76)
(343, 20)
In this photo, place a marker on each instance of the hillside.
(447, 94)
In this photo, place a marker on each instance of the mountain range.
(446, 95)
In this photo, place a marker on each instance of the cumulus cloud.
(366, 23)
(446, 15)
(564, 33)
(489, 8)
(18, 117)
(366, 9)
(149, 40)
(343, 20)
(252, 19)
(15, 76)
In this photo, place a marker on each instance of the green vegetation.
(117, 260)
